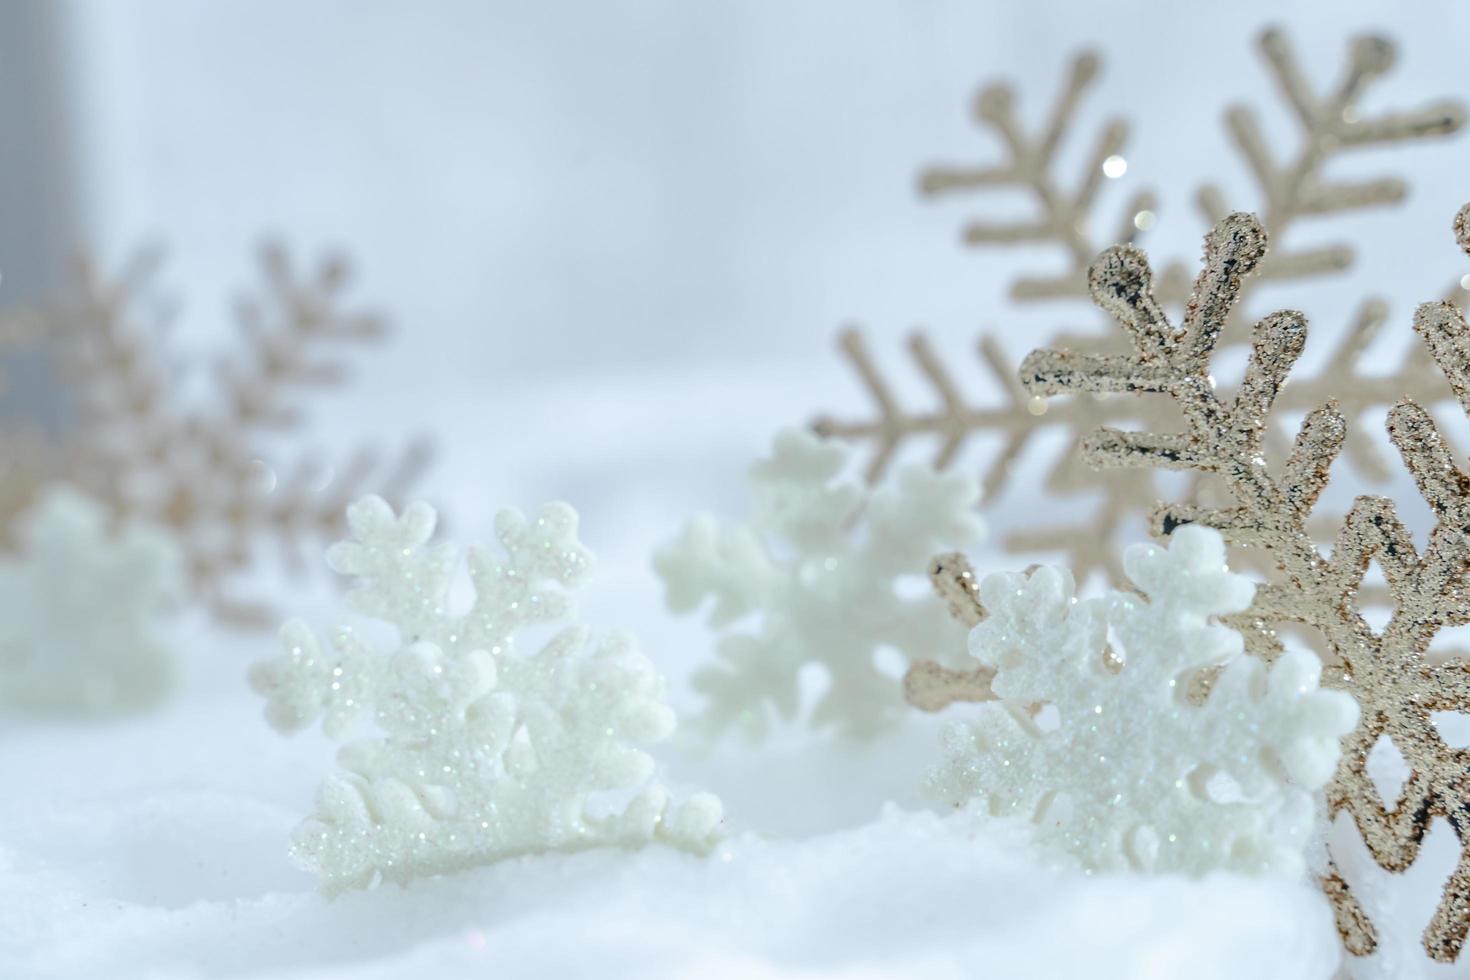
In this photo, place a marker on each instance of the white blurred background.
(615, 240)
(620, 211)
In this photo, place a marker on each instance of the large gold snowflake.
(1397, 685)
(1292, 188)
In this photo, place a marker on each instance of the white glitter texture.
(1119, 767)
(484, 753)
(818, 563)
(78, 609)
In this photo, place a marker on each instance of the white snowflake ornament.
(818, 564)
(1095, 740)
(484, 753)
(79, 608)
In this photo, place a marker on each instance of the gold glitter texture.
(1387, 671)
(930, 686)
(1291, 187)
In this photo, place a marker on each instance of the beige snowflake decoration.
(198, 467)
(1292, 188)
(1062, 215)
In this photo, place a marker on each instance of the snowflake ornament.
(1297, 183)
(485, 753)
(208, 473)
(80, 606)
(818, 564)
(1096, 740)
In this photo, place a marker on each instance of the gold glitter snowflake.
(1292, 187)
(1224, 435)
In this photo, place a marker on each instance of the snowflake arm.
(1062, 213)
(542, 557)
(750, 687)
(726, 563)
(1127, 775)
(917, 514)
(811, 579)
(798, 493)
(401, 581)
(307, 682)
(398, 580)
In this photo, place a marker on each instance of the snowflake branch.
(1062, 214)
(1329, 124)
(199, 472)
(929, 685)
(955, 421)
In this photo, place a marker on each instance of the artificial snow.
(157, 848)
(907, 894)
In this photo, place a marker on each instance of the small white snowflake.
(79, 605)
(1095, 740)
(485, 753)
(819, 562)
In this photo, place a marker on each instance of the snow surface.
(157, 849)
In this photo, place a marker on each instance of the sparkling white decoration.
(78, 609)
(485, 753)
(818, 562)
(1131, 772)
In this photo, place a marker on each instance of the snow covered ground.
(156, 848)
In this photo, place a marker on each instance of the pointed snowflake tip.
(81, 609)
(1119, 768)
(483, 752)
(815, 571)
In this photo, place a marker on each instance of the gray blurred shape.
(37, 193)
